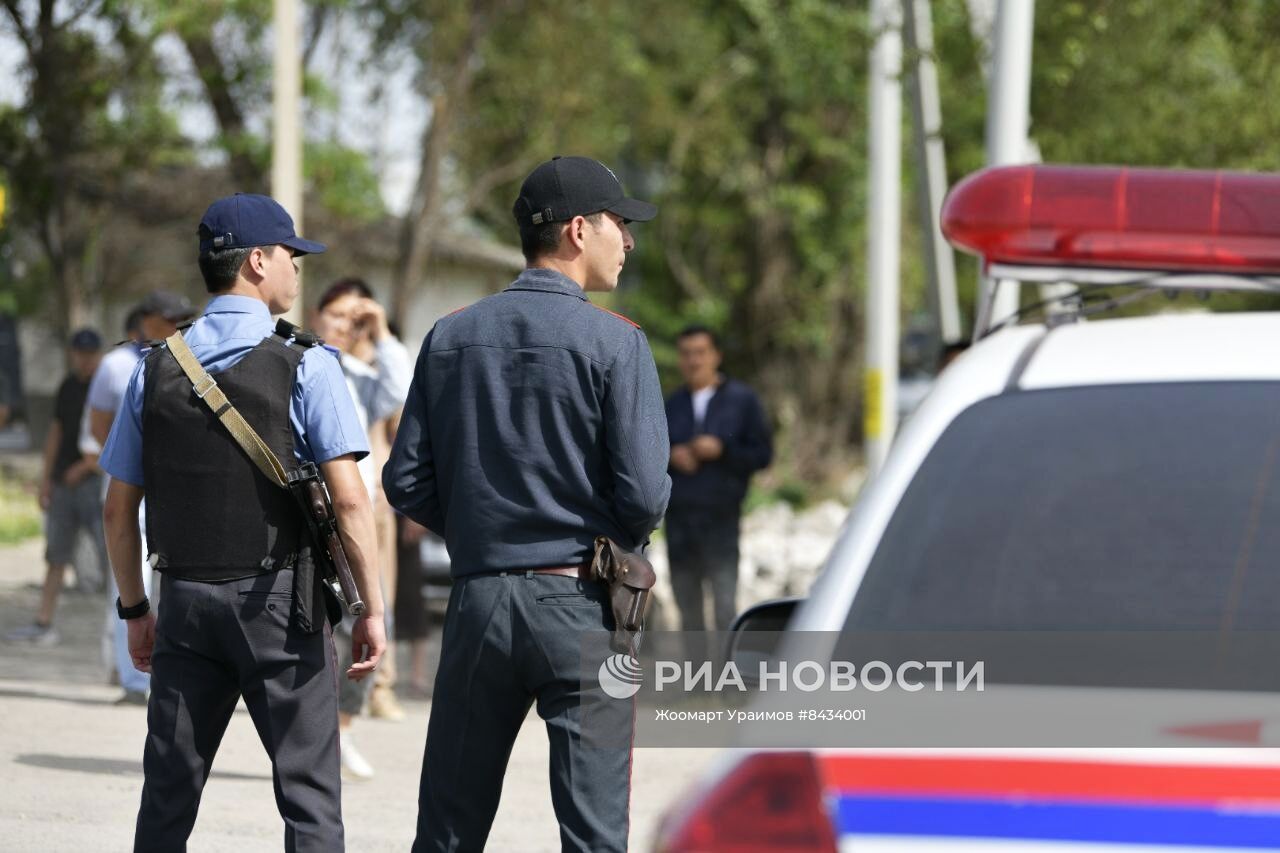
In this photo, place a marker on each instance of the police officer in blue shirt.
(226, 539)
(534, 423)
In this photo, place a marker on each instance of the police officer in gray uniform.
(226, 539)
(534, 423)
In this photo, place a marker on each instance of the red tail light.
(770, 802)
(1118, 218)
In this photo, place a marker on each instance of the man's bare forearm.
(51, 442)
(124, 541)
(356, 525)
(100, 425)
(359, 537)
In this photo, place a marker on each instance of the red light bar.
(1118, 218)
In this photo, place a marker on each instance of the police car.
(1075, 472)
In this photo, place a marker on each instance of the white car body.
(1007, 799)
(1163, 348)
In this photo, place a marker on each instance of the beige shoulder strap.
(207, 389)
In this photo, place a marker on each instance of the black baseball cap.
(245, 220)
(170, 306)
(565, 187)
(85, 340)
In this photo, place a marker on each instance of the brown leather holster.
(630, 579)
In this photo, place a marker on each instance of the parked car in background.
(435, 566)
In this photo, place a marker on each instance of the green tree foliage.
(1151, 83)
(93, 140)
(1157, 83)
(88, 118)
(762, 226)
(228, 43)
(745, 120)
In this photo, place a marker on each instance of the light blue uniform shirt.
(324, 420)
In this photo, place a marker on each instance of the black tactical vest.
(211, 514)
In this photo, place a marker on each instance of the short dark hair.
(341, 288)
(699, 329)
(544, 239)
(221, 266)
(133, 322)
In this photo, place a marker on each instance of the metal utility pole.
(286, 136)
(880, 382)
(931, 163)
(1008, 115)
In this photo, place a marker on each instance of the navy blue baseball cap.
(85, 340)
(245, 220)
(565, 187)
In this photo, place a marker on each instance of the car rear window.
(1134, 507)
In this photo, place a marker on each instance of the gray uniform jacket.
(534, 423)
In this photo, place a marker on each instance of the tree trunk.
(421, 221)
(249, 176)
(57, 129)
(811, 383)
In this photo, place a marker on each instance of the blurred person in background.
(719, 438)
(6, 401)
(70, 491)
(154, 319)
(382, 702)
(349, 319)
(412, 622)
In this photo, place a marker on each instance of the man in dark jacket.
(719, 437)
(534, 424)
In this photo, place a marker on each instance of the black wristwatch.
(137, 611)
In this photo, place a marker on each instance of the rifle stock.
(309, 489)
(338, 554)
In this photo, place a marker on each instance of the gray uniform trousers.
(511, 639)
(214, 643)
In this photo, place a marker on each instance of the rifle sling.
(207, 389)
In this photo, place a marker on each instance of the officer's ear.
(576, 232)
(256, 263)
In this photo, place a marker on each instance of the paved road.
(71, 761)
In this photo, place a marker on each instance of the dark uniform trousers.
(216, 642)
(511, 639)
(702, 548)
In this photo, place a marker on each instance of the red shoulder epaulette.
(457, 310)
(616, 314)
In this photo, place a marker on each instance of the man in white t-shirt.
(156, 318)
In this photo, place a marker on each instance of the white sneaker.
(354, 765)
(40, 635)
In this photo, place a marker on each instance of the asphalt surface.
(72, 769)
